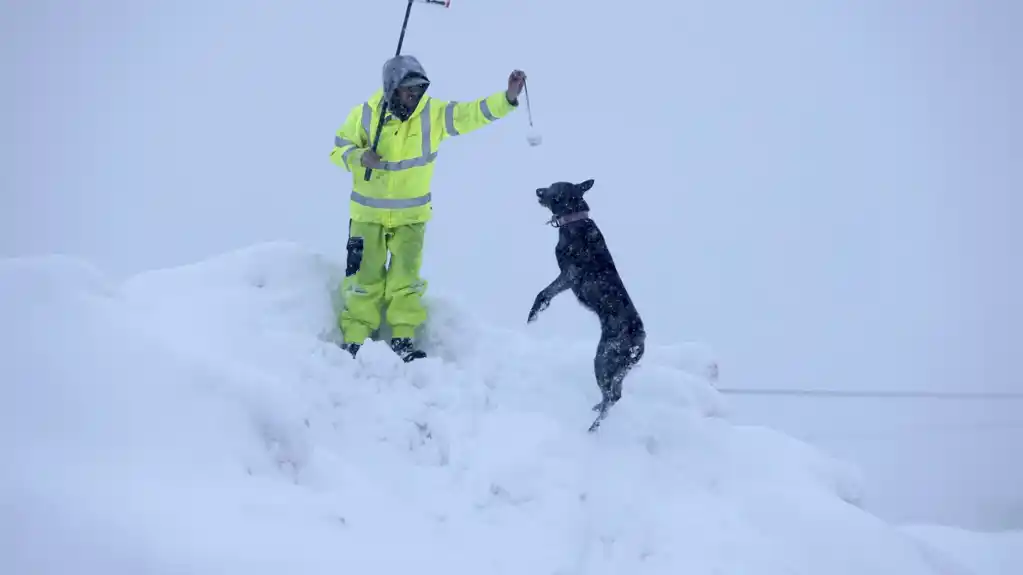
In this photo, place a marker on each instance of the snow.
(202, 419)
(961, 551)
(788, 211)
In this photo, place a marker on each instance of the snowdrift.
(202, 420)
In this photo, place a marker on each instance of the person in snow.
(388, 213)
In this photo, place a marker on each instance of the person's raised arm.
(465, 117)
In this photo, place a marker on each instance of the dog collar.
(569, 218)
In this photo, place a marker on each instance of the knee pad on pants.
(354, 261)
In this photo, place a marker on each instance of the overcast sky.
(825, 192)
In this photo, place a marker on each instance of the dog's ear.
(582, 187)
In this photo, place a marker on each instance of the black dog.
(589, 271)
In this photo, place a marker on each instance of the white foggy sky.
(823, 192)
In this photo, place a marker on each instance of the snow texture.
(202, 420)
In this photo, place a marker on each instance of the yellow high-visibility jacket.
(398, 193)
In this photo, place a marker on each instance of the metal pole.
(383, 109)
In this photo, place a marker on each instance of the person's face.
(409, 96)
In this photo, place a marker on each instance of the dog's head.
(563, 198)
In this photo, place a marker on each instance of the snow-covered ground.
(940, 460)
(201, 420)
(825, 194)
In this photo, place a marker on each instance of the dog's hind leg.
(636, 350)
(603, 370)
(607, 364)
(628, 360)
(614, 360)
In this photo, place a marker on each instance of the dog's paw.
(533, 314)
(539, 305)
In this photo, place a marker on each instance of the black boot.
(405, 349)
(352, 348)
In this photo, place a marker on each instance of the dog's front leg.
(543, 299)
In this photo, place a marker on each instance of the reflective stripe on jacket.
(398, 192)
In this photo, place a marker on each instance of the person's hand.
(516, 81)
(370, 159)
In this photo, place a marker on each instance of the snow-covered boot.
(405, 349)
(352, 348)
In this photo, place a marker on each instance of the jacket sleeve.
(464, 117)
(350, 141)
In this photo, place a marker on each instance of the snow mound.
(202, 420)
(964, 552)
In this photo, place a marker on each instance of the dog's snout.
(539, 192)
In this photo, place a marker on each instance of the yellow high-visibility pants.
(370, 282)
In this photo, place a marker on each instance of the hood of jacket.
(398, 69)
